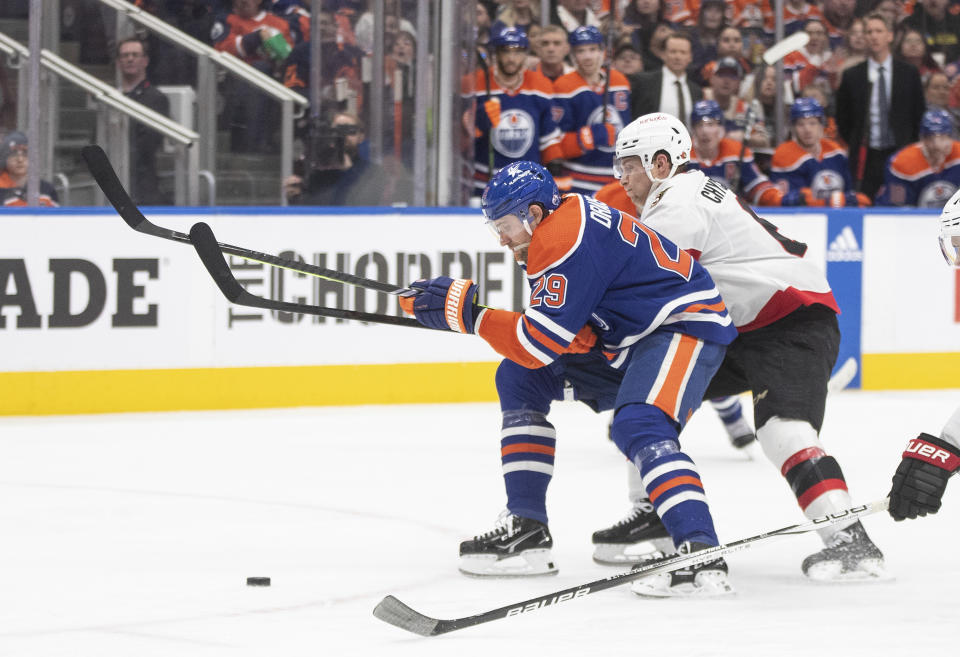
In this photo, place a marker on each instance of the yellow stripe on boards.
(910, 371)
(122, 391)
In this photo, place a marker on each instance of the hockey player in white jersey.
(788, 339)
(928, 462)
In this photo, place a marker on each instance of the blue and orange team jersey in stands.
(526, 128)
(911, 180)
(589, 263)
(581, 104)
(229, 29)
(792, 167)
(755, 186)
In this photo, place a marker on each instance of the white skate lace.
(503, 525)
(638, 509)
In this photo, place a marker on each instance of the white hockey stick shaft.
(781, 49)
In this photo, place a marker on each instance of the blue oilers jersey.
(582, 105)
(524, 130)
(792, 167)
(910, 179)
(590, 263)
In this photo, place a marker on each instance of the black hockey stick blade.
(205, 243)
(393, 611)
(103, 172)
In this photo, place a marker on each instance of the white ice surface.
(133, 535)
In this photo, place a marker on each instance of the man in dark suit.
(873, 120)
(667, 89)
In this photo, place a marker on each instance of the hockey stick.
(843, 376)
(771, 56)
(209, 250)
(393, 611)
(482, 57)
(784, 47)
(103, 172)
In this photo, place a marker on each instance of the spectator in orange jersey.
(811, 62)
(13, 174)
(724, 88)
(809, 169)
(263, 41)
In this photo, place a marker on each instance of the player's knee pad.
(782, 440)
(637, 426)
(523, 388)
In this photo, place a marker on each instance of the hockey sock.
(527, 446)
(729, 409)
(814, 477)
(669, 476)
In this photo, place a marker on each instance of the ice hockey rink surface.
(133, 535)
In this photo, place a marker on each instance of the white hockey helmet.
(646, 136)
(950, 230)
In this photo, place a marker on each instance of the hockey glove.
(445, 303)
(492, 108)
(921, 478)
(595, 135)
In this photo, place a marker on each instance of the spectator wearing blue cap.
(926, 173)
(14, 166)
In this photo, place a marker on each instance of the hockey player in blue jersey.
(619, 318)
(589, 135)
(811, 169)
(925, 173)
(516, 114)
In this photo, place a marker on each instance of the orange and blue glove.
(444, 303)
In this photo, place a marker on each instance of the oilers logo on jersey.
(826, 181)
(936, 195)
(514, 135)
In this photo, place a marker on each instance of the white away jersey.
(761, 274)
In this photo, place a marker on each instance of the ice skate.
(704, 580)
(515, 547)
(740, 432)
(850, 556)
(632, 539)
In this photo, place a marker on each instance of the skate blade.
(620, 554)
(713, 590)
(530, 563)
(831, 572)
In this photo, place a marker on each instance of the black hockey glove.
(921, 478)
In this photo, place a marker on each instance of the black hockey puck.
(258, 581)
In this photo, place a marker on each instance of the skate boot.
(632, 539)
(703, 580)
(740, 433)
(515, 547)
(850, 555)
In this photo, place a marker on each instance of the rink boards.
(95, 317)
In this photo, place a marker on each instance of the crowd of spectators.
(672, 54)
(881, 79)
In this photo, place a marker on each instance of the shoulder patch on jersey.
(910, 162)
(557, 236)
(788, 156)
